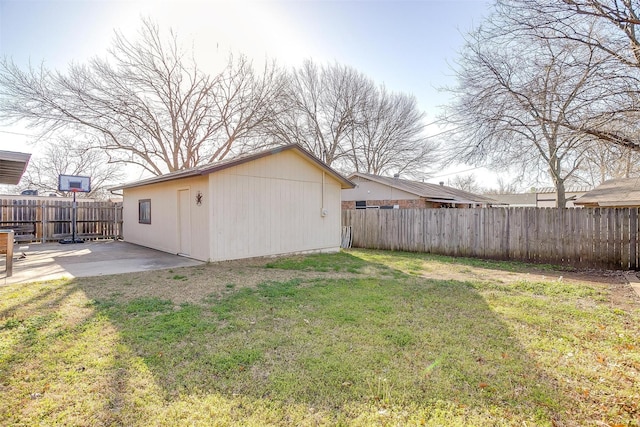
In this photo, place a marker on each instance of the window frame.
(144, 211)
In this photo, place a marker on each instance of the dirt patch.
(194, 284)
(612, 282)
(214, 280)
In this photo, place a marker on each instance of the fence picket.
(50, 220)
(589, 238)
(633, 239)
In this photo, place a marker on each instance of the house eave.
(428, 196)
(610, 204)
(225, 164)
(12, 166)
(214, 167)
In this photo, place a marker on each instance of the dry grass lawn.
(356, 338)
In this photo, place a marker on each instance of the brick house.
(380, 192)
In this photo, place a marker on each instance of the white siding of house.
(548, 200)
(163, 232)
(370, 190)
(271, 206)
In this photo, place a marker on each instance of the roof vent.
(396, 175)
(442, 183)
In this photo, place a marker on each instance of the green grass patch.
(234, 361)
(413, 262)
(552, 288)
(338, 262)
(148, 305)
(383, 347)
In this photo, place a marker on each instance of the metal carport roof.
(12, 166)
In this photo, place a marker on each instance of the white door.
(184, 222)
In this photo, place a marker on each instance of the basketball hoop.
(74, 184)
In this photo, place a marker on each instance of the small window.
(361, 204)
(144, 211)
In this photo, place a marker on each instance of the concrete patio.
(48, 261)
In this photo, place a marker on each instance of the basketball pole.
(74, 217)
(74, 221)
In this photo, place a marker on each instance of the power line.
(15, 133)
(457, 172)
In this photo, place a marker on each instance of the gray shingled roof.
(623, 192)
(431, 192)
(574, 189)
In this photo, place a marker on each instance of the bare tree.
(506, 187)
(341, 116)
(247, 102)
(9, 189)
(65, 158)
(470, 183)
(618, 23)
(603, 161)
(388, 136)
(147, 103)
(467, 183)
(522, 100)
(321, 106)
(610, 27)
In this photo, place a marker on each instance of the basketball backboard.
(80, 184)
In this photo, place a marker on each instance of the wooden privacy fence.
(42, 221)
(586, 238)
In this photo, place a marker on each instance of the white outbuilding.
(278, 201)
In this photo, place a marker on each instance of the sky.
(409, 46)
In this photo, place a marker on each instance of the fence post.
(43, 222)
(581, 237)
(633, 238)
(117, 231)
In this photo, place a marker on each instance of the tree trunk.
(561, 200)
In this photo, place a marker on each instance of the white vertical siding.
(272, 206)
(371, 190)
(163, 232)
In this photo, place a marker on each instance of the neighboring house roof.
(517, 200)
(575, 189)
(12, 166)
(431, 192)
(623, 192)
(228, 163)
